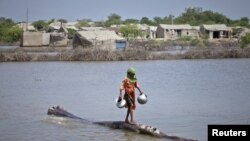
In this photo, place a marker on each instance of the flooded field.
(184, 97)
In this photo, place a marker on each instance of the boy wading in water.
(129, 84)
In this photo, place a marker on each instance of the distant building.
(71, 25)
(35, 39)
(216, 31)
(238, 32)
(55, 26)
(101, 39)
(38, 39)
(176, 31)
(59, 38)
(151, 32)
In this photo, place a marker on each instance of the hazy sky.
(101, 9)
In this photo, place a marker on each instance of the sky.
(73, 10)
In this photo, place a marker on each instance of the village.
(194, 34)
(110, 38)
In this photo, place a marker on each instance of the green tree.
(51, 21)
(244, 21)
(168, 19)
(196, 16)
(11, 34)
(40, 25)
(62, 20)
(82, 23)
(8, 31)
(99, 23)
(146, 20)
(71, 33)
(158, 20)
(131, 21)
(245, 40)
(130, 31)
(113, 19)
(6, 22)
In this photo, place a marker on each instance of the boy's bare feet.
(133, 122)
(126, 121)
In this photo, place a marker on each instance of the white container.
(121, 103)
(142, 99)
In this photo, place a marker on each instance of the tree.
(13, 34)
(244, 21)
(62, 20)
(130, 31)
(196, 16)
(99, 23)
(40, 25)
(8, 31)
(158, 20)
(146, 20)
(113, 19)
(6, 22)
(71, 33)
(245, 40)
(82, 23)
(131, 21)
(51, 21)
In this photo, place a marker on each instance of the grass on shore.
(80, 54)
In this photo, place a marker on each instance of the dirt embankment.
(137, 50)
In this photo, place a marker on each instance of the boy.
(129, 84)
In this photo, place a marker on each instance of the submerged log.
(138, 128)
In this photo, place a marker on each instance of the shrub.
(10, 35)
(131, 31)
(185, 38)
(40, 25)
(245, 40)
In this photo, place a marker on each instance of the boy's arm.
(120, 93)
(139, 89)
(137, 86)
(121, 89)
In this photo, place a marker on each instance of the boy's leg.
(126, 119)
(132, 116)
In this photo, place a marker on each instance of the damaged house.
(101, 39)
(59, 38)
(216, 31)
(151, 32)
(176, 31)
(35, 39)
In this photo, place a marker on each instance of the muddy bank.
(135, 50)
(79, 54)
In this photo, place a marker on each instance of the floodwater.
(184, 96)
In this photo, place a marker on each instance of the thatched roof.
(180, 26)
(100, 35)
(216, 27)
